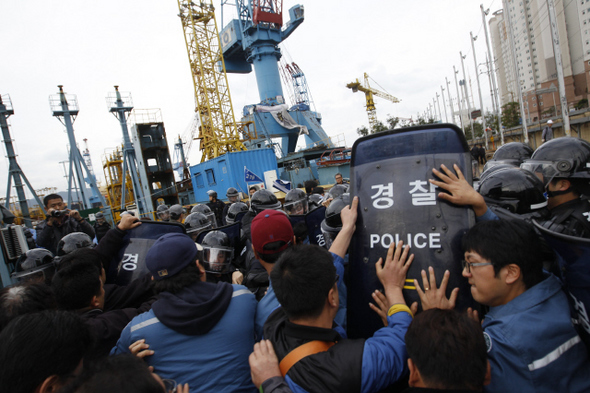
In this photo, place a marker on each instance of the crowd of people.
(252, 295)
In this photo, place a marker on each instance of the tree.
(478, 130)
(392, 122)
(362, 131)
(492, 121)
(510, 115)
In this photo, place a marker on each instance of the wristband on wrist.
(399, 308)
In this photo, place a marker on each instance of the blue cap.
(170, 254)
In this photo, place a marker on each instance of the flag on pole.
(250, 177)
(282, 185)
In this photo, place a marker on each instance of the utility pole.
(14, 170)
(438, 103)
(450, 101)
(495, 94)
(467, 98)
(459, 104)
(558, 64)
(483, 117)
(442, 94)
(525, 131)
(434, 106)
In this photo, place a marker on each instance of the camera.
(59, 213)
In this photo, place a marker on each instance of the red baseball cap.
(271, 226)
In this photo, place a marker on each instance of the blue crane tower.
(65, 108)
(252, 40)
(14, 170)
(120, 108)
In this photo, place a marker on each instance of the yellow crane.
(369, 92)
(218, 131)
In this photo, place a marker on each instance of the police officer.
(233, 196)
(196, 223)
(177, 213)
(216, 206)
(564, 166)
(163, 213)
(101, 226)
(296, 202)
(218, 255)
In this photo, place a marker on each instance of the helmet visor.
(296, 208)
(217, 259)
(548, 170)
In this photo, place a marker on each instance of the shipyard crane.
(218, 131)
(369, 92)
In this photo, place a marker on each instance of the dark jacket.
(101, 229)
(132, 295)
(106, 327)
(49, 236)
(217, 208)
(570, 218)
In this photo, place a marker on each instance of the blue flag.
(282, 185)
(250, 177)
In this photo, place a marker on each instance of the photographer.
(60, 221)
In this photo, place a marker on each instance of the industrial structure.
(14, 170)
(65, 108)
(370, 102)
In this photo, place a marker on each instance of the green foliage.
(492, 121)
(478, 130)
(392, 122)
(511, 115)
(583, 103)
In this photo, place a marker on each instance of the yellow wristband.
(399, 308)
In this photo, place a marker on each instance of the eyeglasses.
(169, 385)
(468, 265)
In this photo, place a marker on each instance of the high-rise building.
(528, 22)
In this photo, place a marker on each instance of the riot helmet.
(206, 210)
(513, 152)
(264, 199)
(314, 201)
(492, 169)
(332, 224)
(516, 190)
(34, 265)
(72, 242)
(217, 253)
(232, 195)
(234, 210)
(176, 212)
(196, 223)
(163, 213)
(296, 202)
(337, 190)
(562, 158)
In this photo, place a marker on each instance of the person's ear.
(564, 184)
(202, 270)
(513, 273)
(333, 297)
(415, 377)
(94, 303)
(51, 384)
(488, 377)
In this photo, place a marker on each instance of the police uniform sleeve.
(384, 355)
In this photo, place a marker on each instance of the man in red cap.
(272, 234)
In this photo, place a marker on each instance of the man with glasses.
(530, 339)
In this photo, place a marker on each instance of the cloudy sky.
(407, 47)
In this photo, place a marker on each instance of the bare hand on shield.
(392, 274)
(381, 308)
(433, 297)
(461, 192)
(128, 222)
(348, 216)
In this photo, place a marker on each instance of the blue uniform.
(533, 346)
(210, 358)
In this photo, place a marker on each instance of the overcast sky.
(407, 47)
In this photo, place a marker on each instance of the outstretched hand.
(461, 192)
(128, 222)
(392, 273)
(433, 297)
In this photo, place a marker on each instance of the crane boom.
(369, 92)
(218, 131)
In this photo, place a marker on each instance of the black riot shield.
(574, 262)
(314, 219)
(130, 262)
(389, 174)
